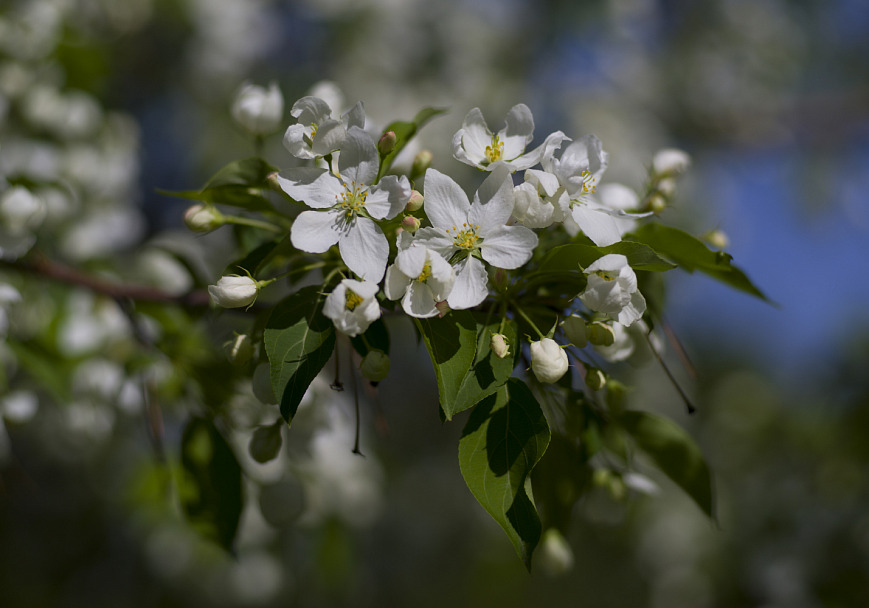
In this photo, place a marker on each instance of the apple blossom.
(612, 289)
(670, 161)
(548, 360)
(474, 144)
(352, 306)
(420, 277)
(474, 231)
(234, 291)
(317, 133)
(345, 208)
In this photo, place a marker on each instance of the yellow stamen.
(606, 276)
(352, 300)
(425, 274)
(496, 150)
(467, 238)
(352, 200)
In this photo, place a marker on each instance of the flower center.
(588, 182)
(352, 300)
(425, 274)
(466, 238)
(606, 276)
(352, 200)
(496, 150)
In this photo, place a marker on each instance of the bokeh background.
(770, 98)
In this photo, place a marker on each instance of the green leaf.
(573, 256)
(238, 184)
(674, 452)
(250, 172)
(404, 132)
(299, 340)
(691, 254)
(465, 367)
(210, 484)
(506, 435)
(376, 337)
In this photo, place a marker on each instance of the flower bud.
(575, 329)
(657, 203)
(717, 238)
(410, 223)
(203, 218)
(415, 202)
(548, 360)
(443, 308)
(234, 291)
(241, 349)
(421, 162)
(601, 334)
(499, 346)
(666, 187)
(595, 379)
(386, 143)
(375, 365)
(266, 442)
(257, 109)
(670, 161)
(554, 557)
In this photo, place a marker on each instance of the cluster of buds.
(667, 165)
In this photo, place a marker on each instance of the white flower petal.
(364, 249)
(354, 117)
(493, 201)
(634, 311)
(446, 204)
(311, 110)
(412, 260)
(436, 240)
(396, 283)
(419, 301)
(316, 231)
(329, 137)
(442, 278)
(359, 160)
(295, 141)
(518, 132)
(389, 197)
(315, 187)
(509, 246)
(601, 228)
(471, 286)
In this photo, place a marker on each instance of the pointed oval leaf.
(299, 340)
(674, 452)
(505, 436)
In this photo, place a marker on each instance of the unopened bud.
(386, 143)
(421, 162)
(657, 203)
(575, 329)
(499, 346)
(241, 349)
(266, 442)
(443, 308)
(410, 223)
(203, 218)
(717, 238)
(554, 557)
(595, 379)
(600, 334)
(415, 202)
(375, 365)
(234, 291)
(666, 186)
(548, 360)
(671, 161)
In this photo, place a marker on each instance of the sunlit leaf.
(506, 435)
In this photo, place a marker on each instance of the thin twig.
(688, 404)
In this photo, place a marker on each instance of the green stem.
(246, 221)
(530, 322)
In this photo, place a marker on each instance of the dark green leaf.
(692, 254)
(238, 184)
(299, 340)
(210, 484)
(465, 367)
(506, 435)
(404, 132)
(250, 172)
(573, 256)
(376, 337)
(674, 452)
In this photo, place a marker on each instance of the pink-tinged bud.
(203, 218)
(595, 379)
(499, 346)
(415, 202)
(443, 308)
(386, 143)
(410, 223)
(375, 365)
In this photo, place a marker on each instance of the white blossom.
(346, 207)
(352, 306)
(317, 133)
(420, 277)
(612, 289)
(475, 230)
(670, 161)
(548, 360)
(257, 109)
(475, 145)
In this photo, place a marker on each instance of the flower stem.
(530, 322)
